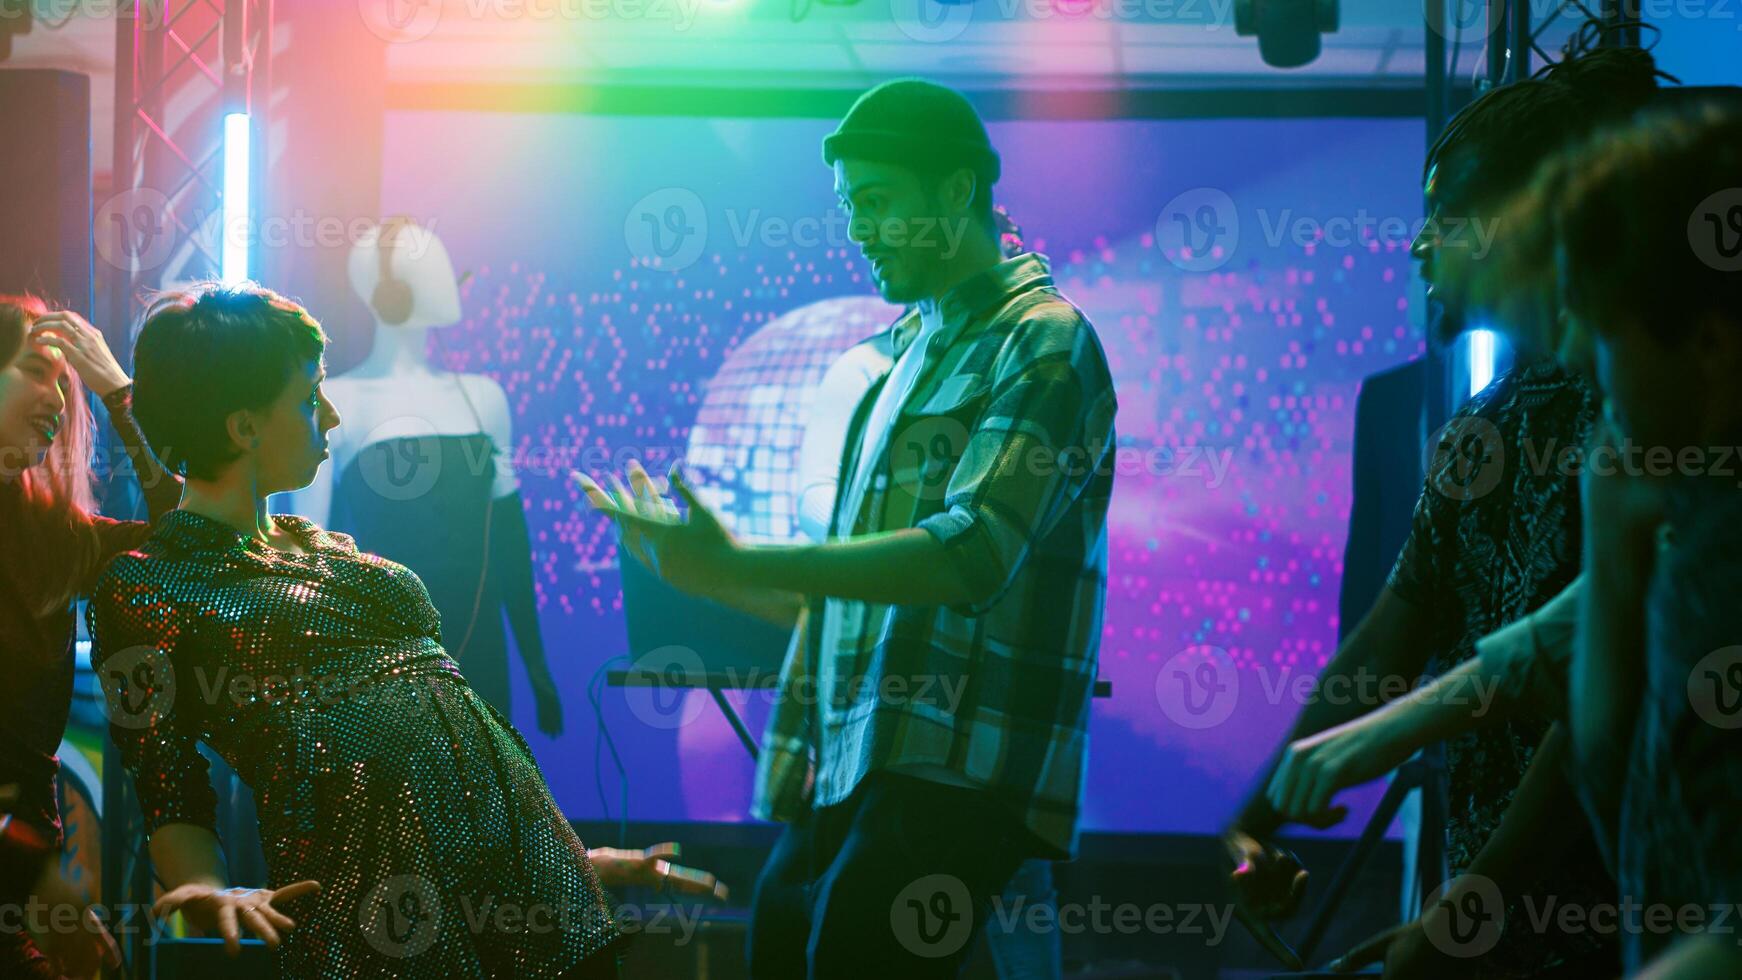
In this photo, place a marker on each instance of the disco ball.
(745, 443)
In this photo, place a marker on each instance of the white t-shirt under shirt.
(829, 428)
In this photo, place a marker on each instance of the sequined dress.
(377, 771)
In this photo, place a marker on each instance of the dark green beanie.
(916, 124)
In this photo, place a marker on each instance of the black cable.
(594, 685)
(489, 502)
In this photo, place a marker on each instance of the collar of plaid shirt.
(973, 296)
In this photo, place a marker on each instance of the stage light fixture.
(1287, 30)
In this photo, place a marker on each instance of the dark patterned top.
(321, 679)
(1680, 852)
(1496, 534)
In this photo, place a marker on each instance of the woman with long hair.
(318, 672)
(53, 544)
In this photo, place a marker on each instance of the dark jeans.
(895, 881)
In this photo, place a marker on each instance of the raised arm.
(161, 488)
(1519, 668)
(1052, 402)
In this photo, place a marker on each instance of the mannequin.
(422, 469)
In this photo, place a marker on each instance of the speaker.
(45, 186)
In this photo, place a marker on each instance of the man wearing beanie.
(923, 804)
(932, 727)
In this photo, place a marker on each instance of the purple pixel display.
(675, 287)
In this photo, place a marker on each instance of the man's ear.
(244, 430)
(958, 189)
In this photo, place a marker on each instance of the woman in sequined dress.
(317, 671)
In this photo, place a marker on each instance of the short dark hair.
(210, 350)
(1627, 215)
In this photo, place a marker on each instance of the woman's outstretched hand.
(653, 868)
(226, 911)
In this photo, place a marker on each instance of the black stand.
(717, 683)
(1425, 772)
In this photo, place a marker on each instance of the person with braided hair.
(1492, 540)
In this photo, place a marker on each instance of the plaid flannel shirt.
(1002, 450)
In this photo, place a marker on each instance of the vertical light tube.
(238, 219)
(1484, 349)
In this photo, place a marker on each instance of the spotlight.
(1288, 30)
